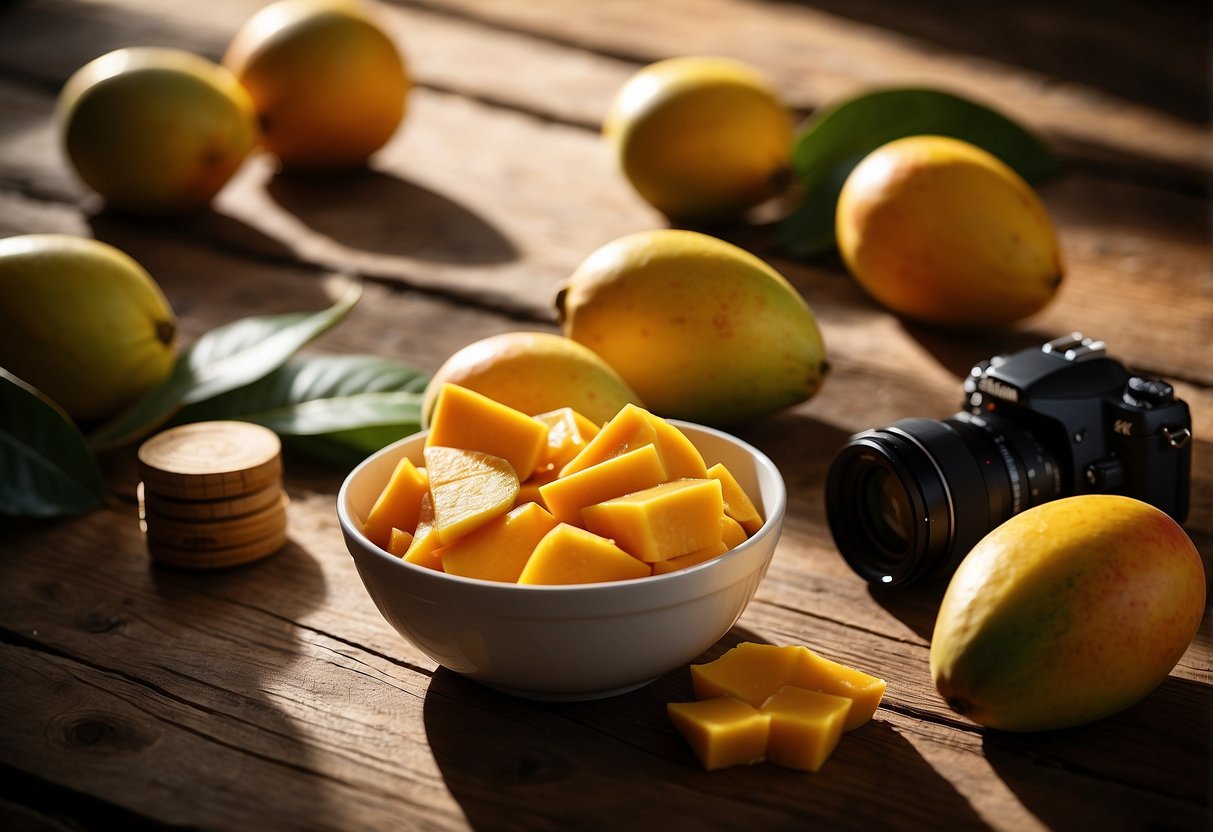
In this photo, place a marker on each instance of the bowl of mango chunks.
(556, 559)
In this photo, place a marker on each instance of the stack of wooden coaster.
(212, 494)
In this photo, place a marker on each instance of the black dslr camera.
(910, 500)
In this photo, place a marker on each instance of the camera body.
(911, 499)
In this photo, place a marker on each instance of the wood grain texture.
(275, 696)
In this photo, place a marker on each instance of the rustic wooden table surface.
(274, 696)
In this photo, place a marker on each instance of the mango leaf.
(227, 357)
(46, 468)
(335, 407)
(832, 142)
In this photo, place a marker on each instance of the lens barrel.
(909, 500)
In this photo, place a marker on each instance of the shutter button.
(1148, 393)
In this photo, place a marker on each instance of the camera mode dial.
(1148, 393)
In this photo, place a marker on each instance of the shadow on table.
(239, 664)
(1147, 767)
(381, 213)
(618, 763)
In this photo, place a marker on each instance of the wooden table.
(274, 696)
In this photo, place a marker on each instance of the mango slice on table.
(635, 470)
(571, 555)
(722, 731)
(661, 522)
(754, 672)
(498, 550)
(819, 673)
(737, 503)
(468, 489)
(568, 434)
(806, 726)
(465, 419)
(634, 427)
(750, 672)
(398, 503)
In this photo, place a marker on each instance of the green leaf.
(227, 357)
(46, 468)
(337, 407)
(833, 141)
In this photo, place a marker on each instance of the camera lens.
(908, 501)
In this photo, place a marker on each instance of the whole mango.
(701, 329)
(328, 81)
(82, 322)
(154, 130)
(701, 138)
(534, 372)
(942, 232)
(1067, 613)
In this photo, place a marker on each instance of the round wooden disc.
(222, 509)
(216, 558)
(210, 535)
(210, 460)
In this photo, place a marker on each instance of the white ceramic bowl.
(583, 641)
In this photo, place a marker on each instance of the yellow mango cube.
(753, 672)
(400, 542)
(423, 548)
(661, 522)
(568, 433)
(498, 550)
(635, 470)
(571, 555)
(634, 427)
(468, 489)
(398, 503)
(722, 731)
(819, 673)
(750, 672)
(528, 490)
(466, 419)
(731, 532)
(737, 504)
(663, 567)
(806, 726)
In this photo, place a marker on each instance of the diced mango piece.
(528, 490)
(682, 459)
(498, 550)
(750, 672)
(818, 673)
(634, 427)
(571, 555)
(731, 532)
(566, 496)
(466, 419)
(723, 731)
(400, 542)
(468, 489)
(806, 726)
(663, 567)
(661, 522)
(568, 433)
(398, 503)
(737, 504)
(423, 550)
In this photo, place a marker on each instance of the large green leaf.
(227, 357)
(832, 142)
(337, 407)
(46, 468)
